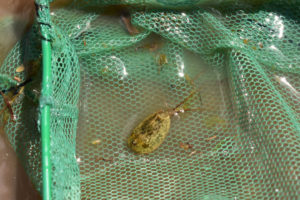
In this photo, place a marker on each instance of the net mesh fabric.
(244, 65)
(24, 133)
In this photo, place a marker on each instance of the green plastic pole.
(43, 14)
(45, 120)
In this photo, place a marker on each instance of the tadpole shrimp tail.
(185, 100)
(194, 109)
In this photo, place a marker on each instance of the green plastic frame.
(43, 18)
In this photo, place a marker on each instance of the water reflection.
(283, 82)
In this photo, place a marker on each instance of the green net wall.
(242, 59)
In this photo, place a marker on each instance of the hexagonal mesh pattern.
(24, 132)
(243, 65)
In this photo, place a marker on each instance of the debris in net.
(152, 47)
(21, 68)
(149, 46)
(104, 159)
(186, 146)
(96, 142)
(8, 106)
(245, 41)
(84, 43)
(211, 138)
(192, 153)
(126, 19)
(161, 61)
(17, 79)
(11, 95)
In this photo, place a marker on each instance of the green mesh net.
(241, 58)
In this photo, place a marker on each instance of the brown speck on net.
(186, 146)
(245, 41)
(104, 159)
(126, 19)
(211, 138)
(192, 153)
(17, 79)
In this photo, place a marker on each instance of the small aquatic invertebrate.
(152, 131)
